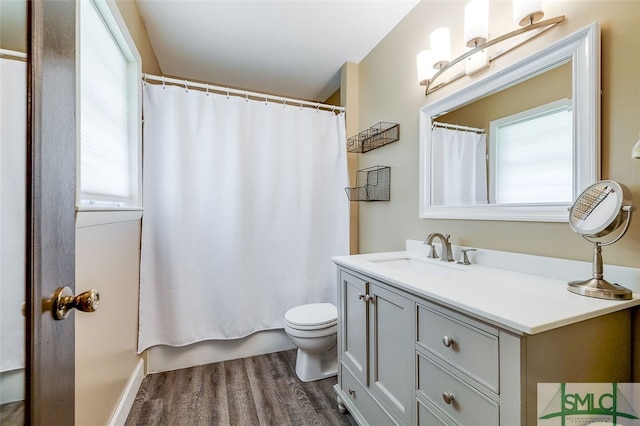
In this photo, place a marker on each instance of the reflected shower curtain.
(458, 167)
(244, 207)
(13, 135)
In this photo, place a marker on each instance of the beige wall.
(388, 91)
(107, 259)
(131, 15)
(551, 86)
(13, 25)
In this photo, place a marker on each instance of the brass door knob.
(63, 301)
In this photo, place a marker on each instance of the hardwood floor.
(260, 390)
(12, 414)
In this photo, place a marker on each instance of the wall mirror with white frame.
(520, 144)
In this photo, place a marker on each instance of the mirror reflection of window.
(533, 155)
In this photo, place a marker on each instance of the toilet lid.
(314, 314)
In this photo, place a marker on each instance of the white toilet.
(313, 329)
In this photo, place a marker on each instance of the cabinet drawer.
(426, 417)
(467, 405)
(471, 349)
(357, 396)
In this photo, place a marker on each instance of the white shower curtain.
(244, 207)
(458, 167)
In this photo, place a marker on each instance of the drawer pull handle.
(448, 397)
(447, 341)
(352, 392)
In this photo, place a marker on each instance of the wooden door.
(50, 233)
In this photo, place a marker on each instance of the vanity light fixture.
(435, 62)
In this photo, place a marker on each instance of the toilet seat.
(314, 316)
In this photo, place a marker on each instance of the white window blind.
(108, 146)
(533, 155)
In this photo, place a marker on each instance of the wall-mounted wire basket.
(372, 184)
(374, 137)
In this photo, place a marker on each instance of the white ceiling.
(291, 48)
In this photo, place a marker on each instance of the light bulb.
(425, 61)
(441, 47)
(526, 12)
(476, 22)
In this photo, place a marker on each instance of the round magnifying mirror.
(598, 211)
(601, 209)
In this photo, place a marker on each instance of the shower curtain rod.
(236, 92)
(457, 127)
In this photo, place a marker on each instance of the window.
(533, 155)
(109, 110)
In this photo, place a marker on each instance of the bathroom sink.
(417, 266)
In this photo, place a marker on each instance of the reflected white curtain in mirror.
(244, 207)
(460, 177)
(13, 125)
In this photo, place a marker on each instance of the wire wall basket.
(372, 184)
(374, 137)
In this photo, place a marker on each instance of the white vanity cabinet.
(409, 359)
(376, 346)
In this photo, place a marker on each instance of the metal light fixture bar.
(546, 25)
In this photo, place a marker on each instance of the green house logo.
(586, 403)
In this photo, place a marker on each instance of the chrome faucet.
(447, 255)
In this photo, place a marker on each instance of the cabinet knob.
(365, 297)
(352, 392)
(448, 397)
(447, 341)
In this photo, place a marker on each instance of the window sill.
(88, 216)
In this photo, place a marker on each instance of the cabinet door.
(353, 332)
(392, 351)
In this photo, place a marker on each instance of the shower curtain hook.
(284, 102)
(246, 96)
(163, 85)
(186, 87)
(265, 100)
(317, 108)
(207, 89)
(144, 78)
(228, 93)
(300, 105)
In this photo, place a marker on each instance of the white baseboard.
(12, 386)
(119, 416)
(167, 358)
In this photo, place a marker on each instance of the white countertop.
(519, 301)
